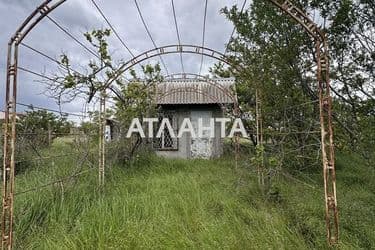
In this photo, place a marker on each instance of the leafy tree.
(42, 121)
(136, 99)
(69, 84)
(352, 49)
(38, 129)
(132, 98)
(137, 96)
(279, 59)
(35, 131)
(276, 57)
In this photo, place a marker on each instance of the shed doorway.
(201, 147)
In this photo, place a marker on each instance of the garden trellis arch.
(325, 104)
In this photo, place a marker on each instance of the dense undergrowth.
(203, 204)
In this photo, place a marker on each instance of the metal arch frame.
(10, 118)
(168, 49)
(325, 114)
(325, 105)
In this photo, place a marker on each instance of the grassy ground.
(199, 204)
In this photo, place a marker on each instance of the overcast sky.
(79, 16)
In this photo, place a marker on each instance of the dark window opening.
(166, 142)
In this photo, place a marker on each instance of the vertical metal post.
(236, 136)
(325, 114)
(259, 134)
(49, 134)
(102, 124)
(328, 155)
(9, 146)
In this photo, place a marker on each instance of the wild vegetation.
(151, 202)
(209, 204)
(279, 61)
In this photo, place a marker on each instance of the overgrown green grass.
(172, 204)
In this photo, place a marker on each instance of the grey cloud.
(79, 16)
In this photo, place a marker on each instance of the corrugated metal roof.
(196, 91)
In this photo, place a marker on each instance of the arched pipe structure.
(325, 114)
(168, 49)
(325, 104)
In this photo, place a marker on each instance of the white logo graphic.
(186, 127)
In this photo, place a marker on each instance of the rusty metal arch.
(325, 114)
(325, 105)
(168, 49)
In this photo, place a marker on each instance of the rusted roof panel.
(196, 91)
